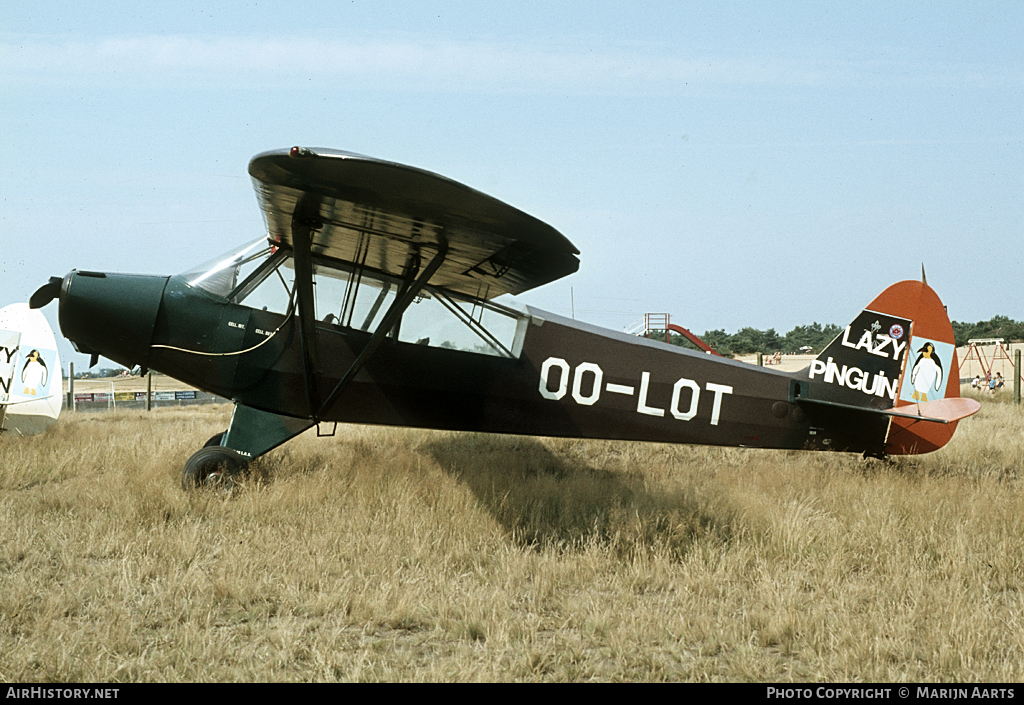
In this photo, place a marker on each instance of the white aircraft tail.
(31, 384)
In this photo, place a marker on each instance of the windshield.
(222, 274)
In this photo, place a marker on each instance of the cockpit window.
(440, 320)
(357, 299)
(268, 287)
(262, 277)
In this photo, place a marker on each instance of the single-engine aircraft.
(372, 300)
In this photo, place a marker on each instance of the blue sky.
(744, 164)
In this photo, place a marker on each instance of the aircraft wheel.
(212, 465)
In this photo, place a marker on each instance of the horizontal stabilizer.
(938, 411)
(945, 410)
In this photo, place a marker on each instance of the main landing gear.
(213, 465)
(227, 455)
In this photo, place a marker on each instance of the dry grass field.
(403, 555)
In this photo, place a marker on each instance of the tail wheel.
(212, 465)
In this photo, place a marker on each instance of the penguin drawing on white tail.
(34, 374)
(926, 374)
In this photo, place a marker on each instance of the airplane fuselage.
(570, 379)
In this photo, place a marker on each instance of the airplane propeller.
(46, 293)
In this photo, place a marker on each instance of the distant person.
(976, 382)
(999, 381)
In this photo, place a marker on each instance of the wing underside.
(388, 217)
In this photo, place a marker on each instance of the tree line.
(1009, 330)
(816, 337)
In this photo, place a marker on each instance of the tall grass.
(396, 554)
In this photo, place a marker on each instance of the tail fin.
(861, 367)
(898, 352)
(931, 371)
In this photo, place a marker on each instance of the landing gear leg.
(250, 434)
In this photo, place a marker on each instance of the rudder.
(931, 369)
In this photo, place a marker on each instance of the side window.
(329, 288)
(269, 287)
(440, 321)
(360, 299)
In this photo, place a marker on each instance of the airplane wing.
(375, 214)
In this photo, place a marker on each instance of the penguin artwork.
(926, 374)
(34, 374)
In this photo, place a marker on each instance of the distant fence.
(102, 401)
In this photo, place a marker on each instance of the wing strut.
(302, 232)
(389, 321)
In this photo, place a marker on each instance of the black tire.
(215, 440)
(212, 465)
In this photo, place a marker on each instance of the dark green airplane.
(371, 300)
